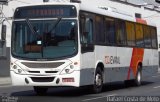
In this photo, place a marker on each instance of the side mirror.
(3, 32)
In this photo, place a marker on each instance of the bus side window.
(120, 32)
(130, 29)
(154, 38)
(139, 36)
(86, 26)
(89, 30)
(147, 36)
(100, 36)
(110, 31)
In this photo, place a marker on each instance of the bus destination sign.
(49, 11)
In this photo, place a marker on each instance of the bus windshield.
(44, 39)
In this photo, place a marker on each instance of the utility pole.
(3, 29)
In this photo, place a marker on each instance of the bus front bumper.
(46, 80)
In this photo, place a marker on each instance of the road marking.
(98, 98)
(156, 87)
(156, 76)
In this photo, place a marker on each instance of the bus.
(78, 44)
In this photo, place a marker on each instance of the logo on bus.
(112, 60)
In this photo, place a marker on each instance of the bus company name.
(112, 60)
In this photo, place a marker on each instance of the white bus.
(79, 44)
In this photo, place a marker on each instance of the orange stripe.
(137, 56)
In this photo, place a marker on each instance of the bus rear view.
(45, 46)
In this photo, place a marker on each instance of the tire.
(98, 81)
(40, 90)
(138, 79)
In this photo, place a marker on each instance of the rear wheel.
(98, 81)
(40, 90)
(138, 79)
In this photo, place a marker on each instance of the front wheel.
(40, 90)
(98, 81)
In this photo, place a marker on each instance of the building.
(146, 9)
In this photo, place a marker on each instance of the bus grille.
(42, 79)
(43, 65)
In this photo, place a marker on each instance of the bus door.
(87, 48)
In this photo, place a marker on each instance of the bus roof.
(98, 7)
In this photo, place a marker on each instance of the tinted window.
(130, 29)
(110, 30)
(147, 36)
(120, 32)
(139, 36)
(154, 37)
(86, 30)
(89, 30)
(100, 36)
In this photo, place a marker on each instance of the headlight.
(17, 69)
(69, 69)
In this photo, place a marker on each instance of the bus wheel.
(40, 90)
(138, 79)
(98, 81)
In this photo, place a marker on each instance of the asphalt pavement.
(150, 87)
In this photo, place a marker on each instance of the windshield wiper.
(33, 32)
(55, 25)
(30, 26)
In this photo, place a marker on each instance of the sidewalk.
(5, 81)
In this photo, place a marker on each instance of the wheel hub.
(139, 77)
(98, 80)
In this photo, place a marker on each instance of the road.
(150, 87)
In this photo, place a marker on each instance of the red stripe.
(129, 71)
(130, 67)
(142, 21)
(137, 57)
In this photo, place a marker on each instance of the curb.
(5, 81)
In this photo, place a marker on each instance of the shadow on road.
(82, 91)
(121, 85)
